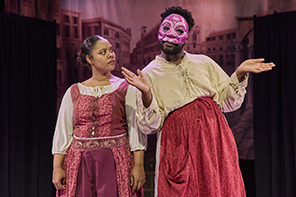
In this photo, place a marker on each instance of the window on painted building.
(209, 49)
(117, 45)
(117, 35)
(221, 48)
(50, 7)
(228, 36)
(214, 49)
(75, 20)
(67, 52)
(56, 9)
(233, 35)
(66, 18)
(220, 37)
(96, 30)
(75, 32)
(208, 39)
(194, 45)
(88, 31)
(188, 48)
(67, 31)
(106, 32)
(83, 32)
(194, 36)
(214, 38)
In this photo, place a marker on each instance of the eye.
(180, 31)
(166, 28)
(103, 52)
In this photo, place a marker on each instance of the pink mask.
(173, 28)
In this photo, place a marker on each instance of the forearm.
(139, 158)
(58, 161)
(147, 98)
(232, 96)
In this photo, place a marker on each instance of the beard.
(171, 50)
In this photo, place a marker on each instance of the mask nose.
(171, 35)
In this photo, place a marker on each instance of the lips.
(111, 62)
(169, 44)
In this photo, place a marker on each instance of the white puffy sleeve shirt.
(173, 86)
(65, 123)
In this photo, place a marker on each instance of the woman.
(96, 131)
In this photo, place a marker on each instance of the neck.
(173, 58)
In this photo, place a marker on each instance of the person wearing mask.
(181, 97)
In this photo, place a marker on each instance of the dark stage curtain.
(275, 106)
(27, 103)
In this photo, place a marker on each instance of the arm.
(58, 174)
(232, 90)
(138, 141)
(62, 140)
(138, 173)
(149, 117)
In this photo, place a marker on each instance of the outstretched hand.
(253, 66)
(139, 82)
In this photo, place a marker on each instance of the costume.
(96, 129)
(196, 151)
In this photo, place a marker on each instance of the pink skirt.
(98, 167)
(198, 155)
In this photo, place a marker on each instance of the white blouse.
(65, 123)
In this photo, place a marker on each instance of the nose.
(111, 54)
(171, 35)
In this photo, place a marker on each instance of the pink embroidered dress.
(97, 131)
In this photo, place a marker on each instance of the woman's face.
(102, 57)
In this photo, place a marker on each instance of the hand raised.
(254, 66)
(139, 82)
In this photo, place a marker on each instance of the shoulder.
(199, 58)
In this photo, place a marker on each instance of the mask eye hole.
(179, 31)
(166, 28)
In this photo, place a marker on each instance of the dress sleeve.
(64, 127)
(230, 91)
(138, 140)
(150, 120)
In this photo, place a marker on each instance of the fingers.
(140, 73)
(136, 186)
(258, 60)
(132, 180)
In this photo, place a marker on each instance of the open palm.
(254, 66)
(139, 82)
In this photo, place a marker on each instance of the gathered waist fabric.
(120, 150)
(100, 142)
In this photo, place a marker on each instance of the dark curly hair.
(179, 10)
(86, 49)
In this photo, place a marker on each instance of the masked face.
(173, 28)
